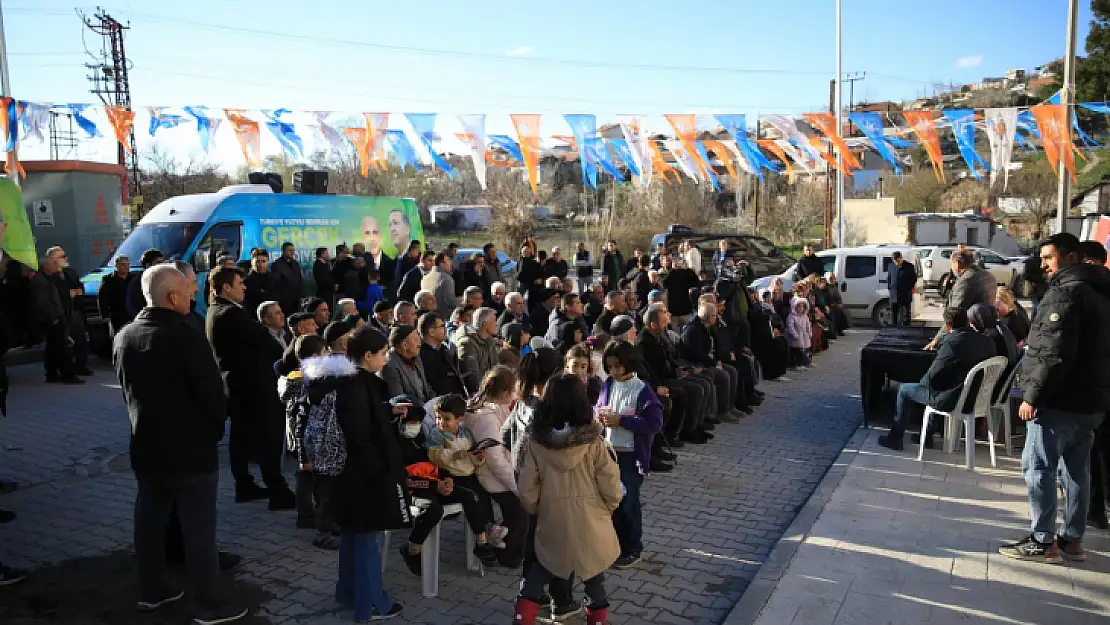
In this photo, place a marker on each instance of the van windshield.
(172, 238)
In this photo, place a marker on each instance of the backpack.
(323, 438)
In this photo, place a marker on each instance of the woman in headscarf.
(984, 320)
(1012, 315)
(769, 348)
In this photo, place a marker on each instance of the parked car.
(936, 269)
(508, 265)
(861, 273)
(764, 258)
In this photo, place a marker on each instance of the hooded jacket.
(644, 424)
(799, 333)
(477, 355)
(1067, 366)
(571, 483)
(370, 493)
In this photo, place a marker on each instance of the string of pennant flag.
(380, 145)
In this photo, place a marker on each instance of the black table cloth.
(895, 354)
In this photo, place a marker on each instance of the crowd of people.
(405, 385)
(1060, 360)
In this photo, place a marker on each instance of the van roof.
(197, 207)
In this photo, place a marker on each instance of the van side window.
(859, 267)
(830, 264)
(221, 239)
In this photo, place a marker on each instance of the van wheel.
(880, 314)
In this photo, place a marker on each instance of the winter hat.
(399, 333)
(654, 294)
(621, 324)
(336, 330)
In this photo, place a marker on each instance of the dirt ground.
(103, 591)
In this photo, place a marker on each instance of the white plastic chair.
(1001, 410)
(991, 370)
(429, 555)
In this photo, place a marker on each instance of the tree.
(1092, 76)
(792, 218)
(919, 192)
(1034, 188)
(164, 177)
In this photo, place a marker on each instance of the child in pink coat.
(799, 333)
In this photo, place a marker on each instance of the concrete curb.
(751, 603)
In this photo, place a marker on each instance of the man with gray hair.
(514, 312)
(53, 312)
(191, 279)
(497, 293)
(425, 302)
(176, 403)
(345, 307)
(473, 296)
(974, 285)
(273, 319)
(404, 314)
(479, 346)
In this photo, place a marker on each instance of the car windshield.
(764, 246)
(172, 238)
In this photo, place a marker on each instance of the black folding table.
(896, 354)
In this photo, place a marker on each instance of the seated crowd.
(421, 384)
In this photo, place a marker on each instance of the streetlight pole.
(1067, 98)
(4, 86)
(839, 124)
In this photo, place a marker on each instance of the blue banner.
(713, 178)
(507, 143)
(963, 128)
(584, 127)
(402, 149)
(204, 124)
(599, 153)
(424, 125)
(625, 154)
(284, 132)
(871, 125)
(158, 120)
(85, 123)
(1028, 123)
(736, 125)
(13, 125)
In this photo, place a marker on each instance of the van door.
(860, 282)
(221, 239)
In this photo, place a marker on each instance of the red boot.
(597, 616)
(526, 611)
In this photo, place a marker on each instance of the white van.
(861, 273)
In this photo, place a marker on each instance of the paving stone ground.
(708, 525)
(906, 542)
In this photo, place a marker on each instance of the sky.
(609, 58)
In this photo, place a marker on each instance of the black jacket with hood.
(1067, 366)
(370, 494)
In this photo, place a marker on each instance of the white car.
(861, 273)
(935, 265)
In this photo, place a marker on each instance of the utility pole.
(112, 86)
(5, 86)
(759, 189)
(839, 120)
(827, 242)
(851, 79)
(1067, 97)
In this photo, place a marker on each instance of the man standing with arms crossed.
(1065, 379)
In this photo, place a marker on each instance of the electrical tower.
(110, 83)
(63, 140)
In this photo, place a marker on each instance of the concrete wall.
(873, 221)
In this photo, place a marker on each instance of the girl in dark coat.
(369, 494)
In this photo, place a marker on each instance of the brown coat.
(572, 484)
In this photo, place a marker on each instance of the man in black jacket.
(175, 400)
(808, 264)
(246, 352)
(940, 387)
(441, 361)
(514, 312)
(135, 299)
(50, 308)
(288, 280)
(678, 283)
(75, 299)
(112, 297)
(901, 278)
(641, 281)
(261, 284)
(1065, 383)
(699, 347)
(689, 393)
(322, 275)
(410, 282)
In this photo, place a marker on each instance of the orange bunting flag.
(5, 123)
(528, 135)
(774, 148)
(121, 118)
(660, 165)
(246, 131)
(723, 154)
(1056, 136)
(568, 139)
(826, 123)
(359, 137)
(377, 124)
(686, 131)
(924, 125)
(827, 155)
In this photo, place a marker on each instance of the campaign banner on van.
(15, 229)
(381, 224)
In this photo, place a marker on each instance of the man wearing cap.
(623, 328)
(901, 277)
(404, 370)
(382, 319)
(112, 297)
(335, 335)
(302, 323)
(540, 315)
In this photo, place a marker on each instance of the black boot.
(893, 439)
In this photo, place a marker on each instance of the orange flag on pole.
(827, 156)
(722, 153)
(121, 118)
(246, 131)
(358, 136)
(528, 134)
(826, 123)
(659, 164)
(1052, 119)
(686, 131)
(774, 148)
(924, 125)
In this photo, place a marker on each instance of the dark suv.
(764, 258)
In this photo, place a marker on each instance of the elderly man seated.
(960, 350)
(974, 285)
